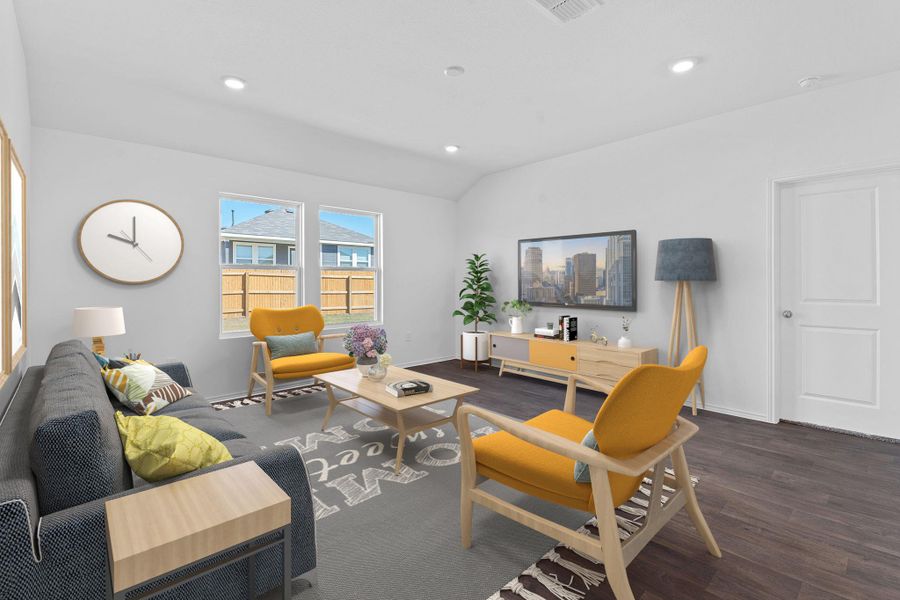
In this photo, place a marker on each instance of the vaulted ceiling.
(355, 89)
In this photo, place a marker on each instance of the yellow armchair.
(637, 429)
(271, 321)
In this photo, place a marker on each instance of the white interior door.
(839, 313)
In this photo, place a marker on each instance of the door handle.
(787, 314)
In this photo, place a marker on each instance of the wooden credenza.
(554, 360)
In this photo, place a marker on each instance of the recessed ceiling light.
(451, 149)
(454, 71)
(234, 83)
(683, 65)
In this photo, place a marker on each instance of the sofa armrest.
(73, 550)
(178, 371)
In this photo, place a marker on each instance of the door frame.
(773, 266)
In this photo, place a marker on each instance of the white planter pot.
(515, 325)
(624, 342)
(472, 340)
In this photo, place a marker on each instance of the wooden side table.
(153, 533)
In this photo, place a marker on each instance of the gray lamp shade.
(685, 259)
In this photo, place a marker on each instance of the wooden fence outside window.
(346, 295)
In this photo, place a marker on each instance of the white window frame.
(292, 255)
(378, 267)
(300, 289)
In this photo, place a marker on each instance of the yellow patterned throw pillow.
(160, 447)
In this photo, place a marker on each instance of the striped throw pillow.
(140, 386)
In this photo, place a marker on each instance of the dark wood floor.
(800, 513)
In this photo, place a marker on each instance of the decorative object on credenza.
(365, 343)
(597, 270)
(625, 341)
(549, 332)
(130, 241)
(517, 309)
(683, 261)
(598, 339)
(477, 297)
(568, 328)
(97, 321)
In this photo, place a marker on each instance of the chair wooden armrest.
(572, 386)
(634, 466)
(327, 336)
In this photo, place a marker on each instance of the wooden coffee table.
(407, 414)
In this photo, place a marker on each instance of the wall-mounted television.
(593, 270)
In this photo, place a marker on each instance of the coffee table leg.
(401, 441)
(332, 402)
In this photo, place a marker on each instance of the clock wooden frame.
(122, 281)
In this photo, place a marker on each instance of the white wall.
(709, 178)
(177, 317)
(14, 108)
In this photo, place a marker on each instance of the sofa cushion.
(76, 455)
(140, 386)
(205, 418)
(311, 364)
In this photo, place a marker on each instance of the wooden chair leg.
(613, 561)
(467, 479)
(332, 403)
(254, 358)
(683, 482)
(269, 386)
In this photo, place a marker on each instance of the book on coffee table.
(409, 387)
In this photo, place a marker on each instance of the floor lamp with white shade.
(685, 260)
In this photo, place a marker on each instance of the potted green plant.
(477, 296)
(516, 309)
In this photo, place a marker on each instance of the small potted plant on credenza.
(516, 309)
(477, 297)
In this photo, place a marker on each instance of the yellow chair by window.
(637, 429)
(287, 321)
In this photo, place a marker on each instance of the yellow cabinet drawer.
(553, 355)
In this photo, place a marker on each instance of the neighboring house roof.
(281, 223)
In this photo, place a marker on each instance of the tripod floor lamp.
(683, 261)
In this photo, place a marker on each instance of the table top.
(351, 380)
(163, 528)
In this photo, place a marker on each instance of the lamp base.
(684, 303)
(97, 345)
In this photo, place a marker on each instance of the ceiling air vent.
(567, 10)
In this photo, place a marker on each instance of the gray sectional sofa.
(61, 458)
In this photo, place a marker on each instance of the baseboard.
(734, 412)
(427, 361)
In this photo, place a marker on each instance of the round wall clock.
(130, 241)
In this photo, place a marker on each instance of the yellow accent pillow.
(160, 447)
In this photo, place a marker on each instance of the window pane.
(329, 255)
(348, 281)
(243, 254)
(254, 238)
(265, 255)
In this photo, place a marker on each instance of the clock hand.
(134, 229)
(125, 235)
(141, 250)
(121, 239)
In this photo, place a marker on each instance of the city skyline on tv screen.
(592, 271)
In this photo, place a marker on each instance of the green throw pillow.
(292, 345)
(582, 472)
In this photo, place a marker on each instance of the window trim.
(299, 289)
(378, 250)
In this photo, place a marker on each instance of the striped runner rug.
(566, 574)
(300, 390)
